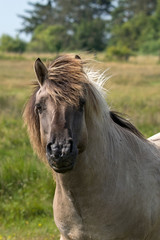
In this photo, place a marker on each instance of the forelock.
(66, 80)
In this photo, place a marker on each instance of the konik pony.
(107, 174)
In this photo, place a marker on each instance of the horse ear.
(77, 57)
(41, 71)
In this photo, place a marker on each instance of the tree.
(9, 44)
(127, 9)
(73, 15)
(77, 11)
(151, 34)
(64, 12)
(131, 32)
(135, 24)
(40, 14)
(90, 35)
(48, 39)
(92, 24)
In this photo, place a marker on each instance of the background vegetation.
(131, 27)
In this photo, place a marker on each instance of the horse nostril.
(59, 151)
(53, 150)
(67, 149)
(71, 144)
(49, 150)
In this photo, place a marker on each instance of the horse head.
(59, 106)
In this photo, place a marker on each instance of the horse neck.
(106, 155)
(91, 165)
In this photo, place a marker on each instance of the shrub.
(150, 47)
(119, 53)
(9, 44)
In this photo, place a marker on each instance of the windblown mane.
(66, 83)
(124, 123)
(66, 80)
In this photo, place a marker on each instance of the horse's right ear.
(77, 57)
(41, 71)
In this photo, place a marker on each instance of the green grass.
(26, 185)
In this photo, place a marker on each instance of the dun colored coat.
(107, 175)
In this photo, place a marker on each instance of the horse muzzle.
(61, 157)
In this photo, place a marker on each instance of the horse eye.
(81, 104)
(38, 108)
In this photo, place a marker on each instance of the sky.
(9, 21)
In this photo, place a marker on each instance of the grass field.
(26, 186)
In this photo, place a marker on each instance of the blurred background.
(122, 35)
(118, 27)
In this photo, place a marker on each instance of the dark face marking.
(62, 129)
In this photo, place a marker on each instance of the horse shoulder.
(67, 216)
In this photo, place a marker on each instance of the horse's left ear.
(77, 57)
(41, 71)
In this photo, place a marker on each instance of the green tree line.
(94, 25)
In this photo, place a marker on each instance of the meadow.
(26, 185)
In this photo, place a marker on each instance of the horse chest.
(67, 216)
(76, 221)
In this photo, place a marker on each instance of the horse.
(107, 174)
